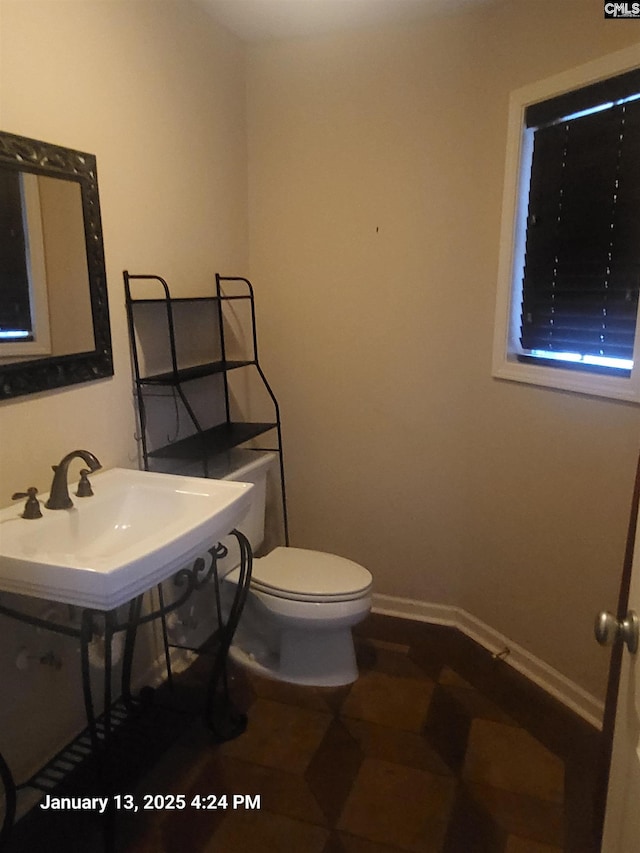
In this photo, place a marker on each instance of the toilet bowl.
(302, 604)
(298, 616)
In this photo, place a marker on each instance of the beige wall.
(156, 91)
(376, 169)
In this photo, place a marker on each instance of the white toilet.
(297, 620)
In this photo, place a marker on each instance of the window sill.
(591, 384)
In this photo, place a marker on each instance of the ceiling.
(260, 20)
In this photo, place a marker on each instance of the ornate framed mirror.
(54, 311)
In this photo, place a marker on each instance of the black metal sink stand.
(224, 721)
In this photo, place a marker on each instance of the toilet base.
(325, 660)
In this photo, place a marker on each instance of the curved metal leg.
(107, 760)
(86, 635)
(135, 607)
(109, 630)
(101, 748)
(224, 720)
(165, 637)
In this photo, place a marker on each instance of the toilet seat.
(297, 574)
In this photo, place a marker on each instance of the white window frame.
(506, 346)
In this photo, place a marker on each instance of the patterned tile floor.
(436, 747)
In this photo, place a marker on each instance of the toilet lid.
(303, 575)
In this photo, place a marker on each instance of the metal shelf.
(196, 371)
(205, 442)
(209, 442)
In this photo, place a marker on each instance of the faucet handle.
(84, 486)
(32, 506)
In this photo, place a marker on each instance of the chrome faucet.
(59, 494)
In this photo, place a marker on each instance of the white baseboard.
(536, 670)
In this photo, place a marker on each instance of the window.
(570, 250)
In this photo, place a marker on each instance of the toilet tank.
(193, 623)
(253, 467)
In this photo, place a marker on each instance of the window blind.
(568, 103)
(582, 257)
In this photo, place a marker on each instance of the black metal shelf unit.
(204, 443)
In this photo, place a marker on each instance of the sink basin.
(138, 529)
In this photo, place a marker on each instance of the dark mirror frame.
(43, 374)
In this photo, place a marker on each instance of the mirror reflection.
(43, 268)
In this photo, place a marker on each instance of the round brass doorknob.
(608, 629)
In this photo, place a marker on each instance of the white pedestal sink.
(137, 529)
